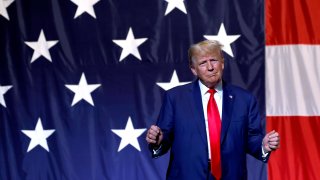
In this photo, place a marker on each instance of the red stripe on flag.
(292, 22)
(299, 155)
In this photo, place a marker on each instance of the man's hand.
(271, 141)
(154, 135)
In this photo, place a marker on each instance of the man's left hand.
(271, 141)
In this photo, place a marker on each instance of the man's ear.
(222, 64)
(193, 70)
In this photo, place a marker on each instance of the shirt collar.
(204, 89)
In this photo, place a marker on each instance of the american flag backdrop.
(82, 80)
(293, 86)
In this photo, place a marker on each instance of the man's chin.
(211, 84)
(214, 79)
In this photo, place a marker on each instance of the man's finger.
(273, 143)
(274, 147)
(275, 134)
(151, 138)
(271, 132)
(155, 128)
(153, 132)
(274, 139)
(267, 148)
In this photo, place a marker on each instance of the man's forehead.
(208, 55)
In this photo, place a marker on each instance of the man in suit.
(208, 131)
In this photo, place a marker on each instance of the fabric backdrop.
(293, 86)
(82, 80)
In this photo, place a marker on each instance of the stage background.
(82, 80)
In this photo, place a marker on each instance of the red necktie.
(214, 124)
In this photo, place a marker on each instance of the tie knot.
(212, 91)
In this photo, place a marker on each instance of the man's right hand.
(154, 135)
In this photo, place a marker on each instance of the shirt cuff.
(264, 154)
(156, 150)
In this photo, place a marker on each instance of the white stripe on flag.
(293, 80)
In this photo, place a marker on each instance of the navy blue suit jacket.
(182, 122)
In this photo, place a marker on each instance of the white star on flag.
(224, 39)
(3, 8)
(172, 4)
(38, 136)
(85, 6)
(41, 47)
(3, 90)
(82, 90)
(173, 82)
(129, 135)
(130, 45)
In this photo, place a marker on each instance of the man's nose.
(209, 66)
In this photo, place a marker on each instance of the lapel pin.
(230, 96)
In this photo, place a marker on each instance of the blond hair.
(203, 48)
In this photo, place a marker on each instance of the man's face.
(208, 67)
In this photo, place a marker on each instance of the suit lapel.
(198, 111)
(227, 109)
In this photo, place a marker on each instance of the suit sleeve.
(255, 131)
(166, 124)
